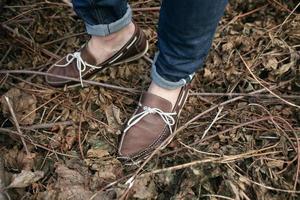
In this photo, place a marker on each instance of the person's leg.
(115, 39)
(109, 22)
(186, 29)
(185, 33)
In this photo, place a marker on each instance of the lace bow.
(167, 117)
(80, 64)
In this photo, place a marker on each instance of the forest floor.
(238, 135)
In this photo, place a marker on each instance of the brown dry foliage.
(249, 152)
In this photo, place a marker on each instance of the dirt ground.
(238, 136)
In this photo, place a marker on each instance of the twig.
(219, 133)
(11, 110)
(27, 40)
(8, 132)
(197, 151)
(262, 185)
(248, 68)
(146, 9)
(288, 138)
(79, 136)
(214, 94)
(80, 123)
(63, 38)
(297, 151)
(251, 12)
(217, 196)
(224, 159)
(105, 85)
(232, 128)
(6, 54)
(41, 106)
(286, 19)
(242, 15)
(47, 125)
(280, 5)
(212, 123)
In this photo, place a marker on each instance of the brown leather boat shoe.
(151, 124)
(82, 65)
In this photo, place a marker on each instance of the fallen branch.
(270, 91)
(214, 94)
(10, 132)
(47, 125)
(28, 41)
(11, 110)
(105, 85)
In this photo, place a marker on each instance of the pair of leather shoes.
(154, 119)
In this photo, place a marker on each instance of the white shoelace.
(167, 117)
(80, 64)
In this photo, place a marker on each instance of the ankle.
(103, 47)
(113, 40)
(170, 95)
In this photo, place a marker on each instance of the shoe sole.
(133, 58)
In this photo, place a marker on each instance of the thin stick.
(217, 196)
(253, 75)
(146, 9)
(262, 185)
(11, 110)
(286, 19)
(79, 137)
(215, 94)
(23, 38)
(8, 132)
(212, 123)
(224, 159)
(105, 85)
(63, 38)
(251, 12)
(47, 125)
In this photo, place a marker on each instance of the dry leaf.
(275, 164)
(112, 113)
(106, 171)
(97, 153)
(144, 188)
(68, 176)
(25, 179)
(24, 106)
(271, 63)
(70, 138)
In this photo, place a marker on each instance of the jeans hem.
(162, 82)
(106, 29)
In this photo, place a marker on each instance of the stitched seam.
(113, 57)
(123, 136)
(140, 153)
(98, 13)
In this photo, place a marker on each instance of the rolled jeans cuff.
(106, 29)
(164, 83)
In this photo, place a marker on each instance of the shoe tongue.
(87, 56)
(154, 101)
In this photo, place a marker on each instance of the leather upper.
(135, 46)
(142, 138)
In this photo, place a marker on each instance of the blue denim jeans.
(185, 32)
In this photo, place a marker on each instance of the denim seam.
(109, 32)
(98, 13)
